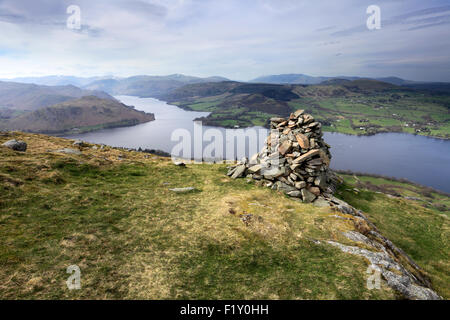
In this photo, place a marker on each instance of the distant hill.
(84, 114)
(55, 80)
(21, 96)
(290, 79)
(147, 86)
(434, 87)
(305, 79)
(276, 92)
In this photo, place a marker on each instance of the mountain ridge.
(299, 78)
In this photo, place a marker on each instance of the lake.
(416, 158)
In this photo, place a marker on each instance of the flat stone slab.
(68, 151)
(182, 190)
(307, 156)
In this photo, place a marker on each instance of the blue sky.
(238, 39)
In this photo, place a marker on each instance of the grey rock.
(231, 171)
(254, 169)
(69, 151)
(321, 202)
(404, 282)
(254, 159)
(16, 145)
(273, 173)
(285, 187)
(300, 184)
(239, 172)
(321, 181)
(79, 143)
(307, 196)
(294, 194)
(182, 190)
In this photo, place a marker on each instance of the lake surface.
(416, 158)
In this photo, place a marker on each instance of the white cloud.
(234, 38)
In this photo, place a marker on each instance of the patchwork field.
(362, 107)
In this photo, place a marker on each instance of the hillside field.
(111, 212)
(359, 107)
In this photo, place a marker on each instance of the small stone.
(312, 124)
(298, 113)
(302, 141)
(231, 171)
(79, 143)
(274, 173)
(300, 184)
(285, 147)
(254, 159)
(307, 156)
(314, 190)
(307, 196)
(321, 181)
(277, 120)
(239, 172)
(321, 202)
(294, 194)
(244, 160)
(285, 187)
(255, 168)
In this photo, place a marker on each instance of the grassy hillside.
(111, 213)
(79, 115)
(361, 107)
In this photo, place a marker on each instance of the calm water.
(419, 159)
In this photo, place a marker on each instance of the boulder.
(16, 145)
(79, 143)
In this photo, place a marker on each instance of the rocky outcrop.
(295, 159)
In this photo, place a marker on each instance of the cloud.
(234, 38)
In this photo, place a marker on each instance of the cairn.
(295, 159)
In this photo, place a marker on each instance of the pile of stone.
(295, 159)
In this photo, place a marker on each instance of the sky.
(237, 39)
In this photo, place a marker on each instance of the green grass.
(409, 113)
(391, 111)
(135, 239)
